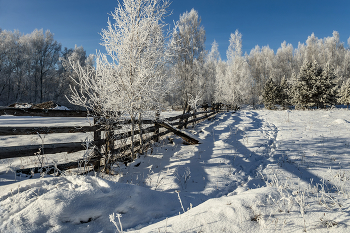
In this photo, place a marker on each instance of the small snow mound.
(20, 105)
(60, 108)
(339, 121)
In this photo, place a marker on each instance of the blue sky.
(261, 22)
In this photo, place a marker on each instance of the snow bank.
(339, 121)
(255, 171)
(80, 204)
(232, 213)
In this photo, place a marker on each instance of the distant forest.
(35, 69)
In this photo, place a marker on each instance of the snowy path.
(233, 147)
(251, 173)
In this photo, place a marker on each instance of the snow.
(23, 105)
(255, 171)
(339, 121)
(60, 108)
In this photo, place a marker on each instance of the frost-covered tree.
(284, 93)
(27, 66)
(314, 87)
(303, 85)
(271, 94)
(66, 72)
(327, 88)
(222, 90)
(260, 62)
(131, 80)
(45, 55)
(8, 41)
(283, 65)
(344, 94)
(188, 43)
(238, 73)
(210, 65)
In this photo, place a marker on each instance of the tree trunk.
(41, 86)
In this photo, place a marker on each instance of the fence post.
(109, 145)
(157, 126)
(194, 117)
(97, 139)
(141, 139)
(188, 111)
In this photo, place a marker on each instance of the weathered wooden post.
(188, 111)
(140, 129)
(109, 144)
(97, 140)
(156, 132)
(194, 117)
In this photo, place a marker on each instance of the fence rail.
(31, 150)
(42, 112)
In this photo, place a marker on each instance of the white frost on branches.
(130, 77)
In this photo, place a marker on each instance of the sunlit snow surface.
(255, 171)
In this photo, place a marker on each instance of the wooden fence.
(121, 153)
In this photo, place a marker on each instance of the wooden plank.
(126, 158)
(137, 143)
(24, 151)
(201, 118)
(128, 134)
(179, 133)
(60, 167)
(45, 130)
(42, 112)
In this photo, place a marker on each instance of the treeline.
(34, 68)
(321, 77)
(313, 87)
(314, 75)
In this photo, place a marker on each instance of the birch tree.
(210, 65)
(344, 94)
(129, 78)
(238, 73)
(188, 40)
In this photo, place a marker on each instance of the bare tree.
(45, 55)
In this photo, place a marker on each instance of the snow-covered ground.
(255, 171)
